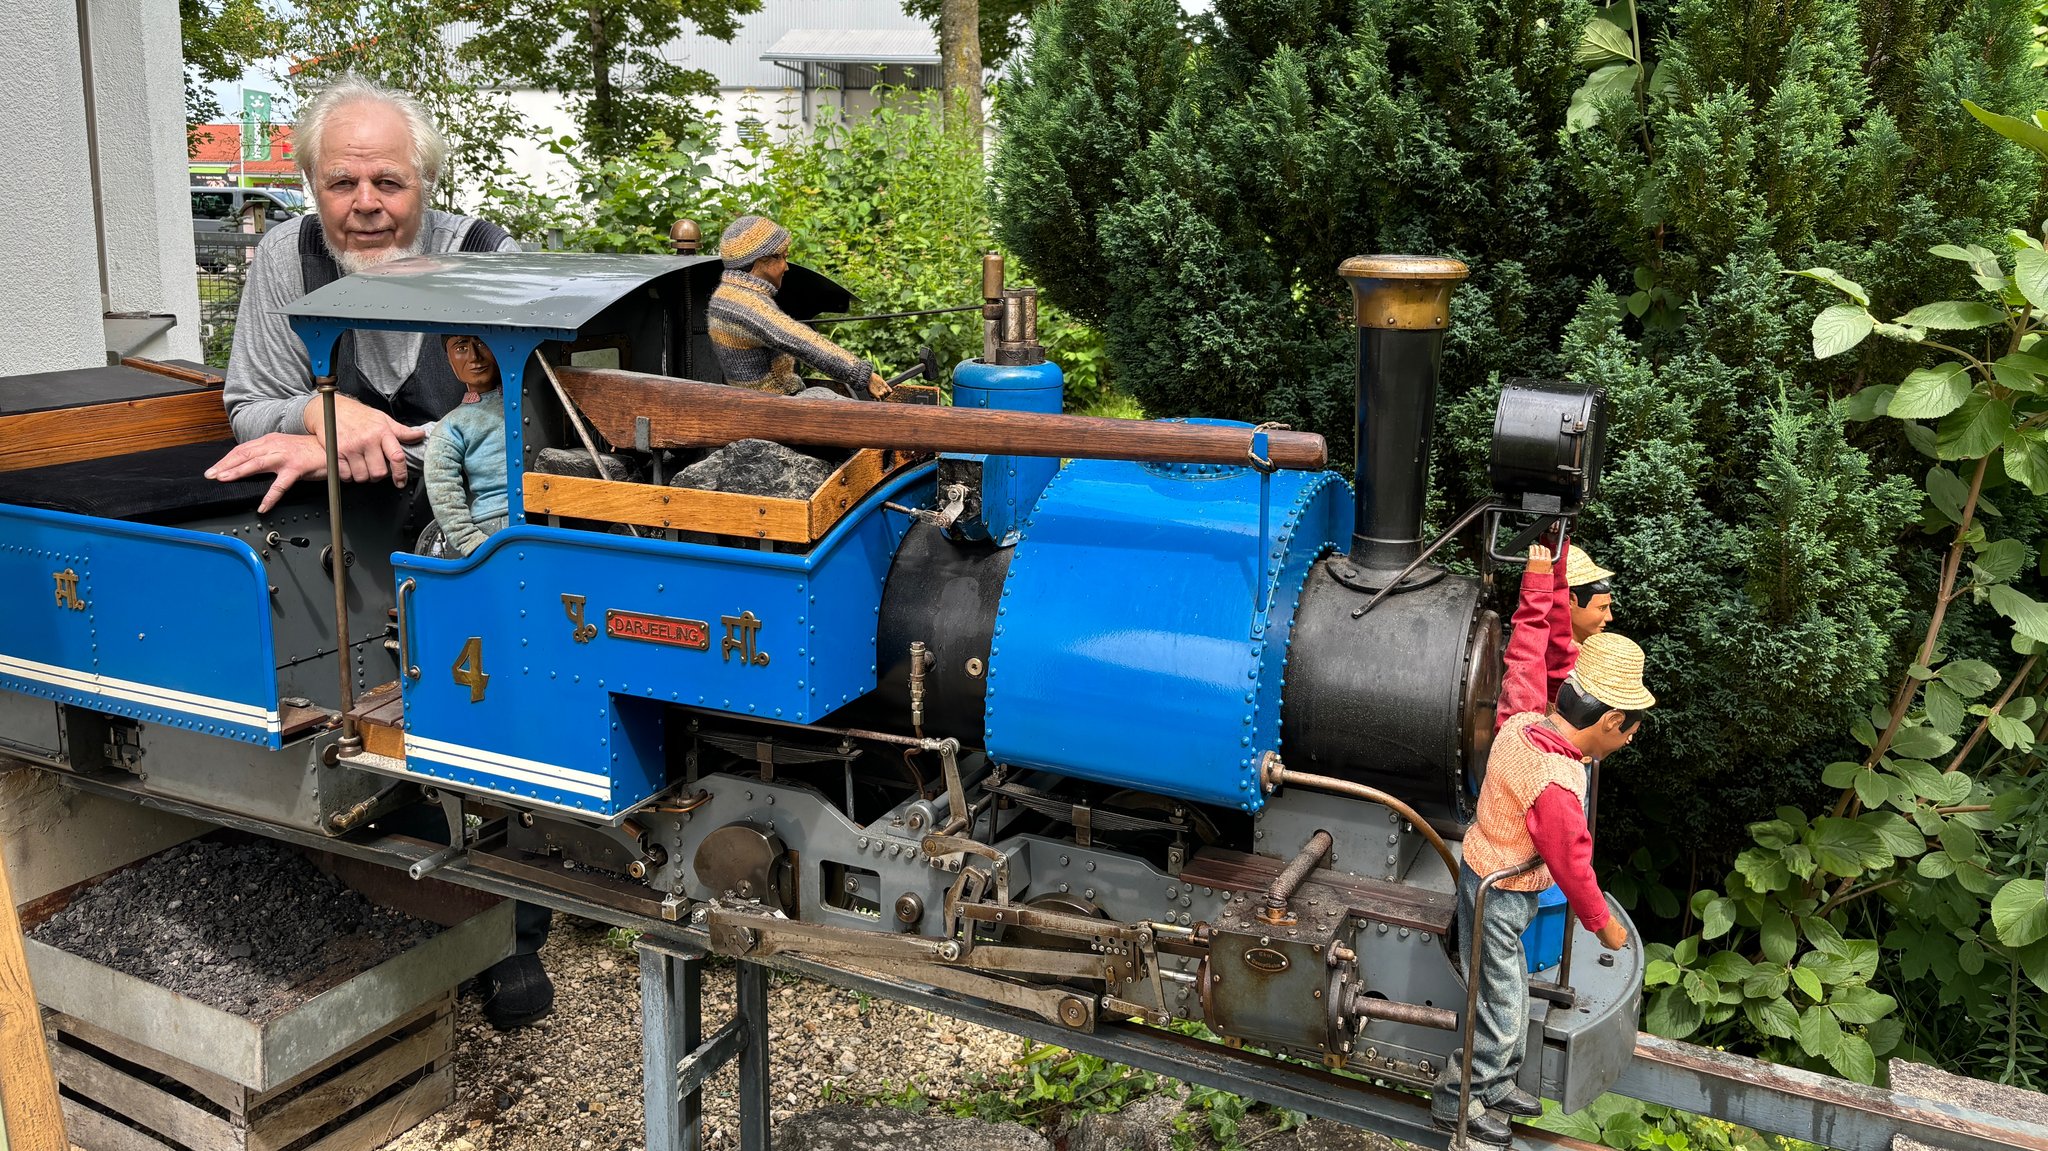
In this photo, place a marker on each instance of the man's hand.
(292, 457)
(1613, 936)
(371, 444)
(879, 387)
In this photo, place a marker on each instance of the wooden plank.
(221, 1090)
(65, 435)
(843, 489)
(646, 505)
(199, 376)
(92, 1131)
(685, 413)
(396, 1115)
(29, 1112)
(152, 1107)
(380, 719)
(328, 1101)
(1366, 898)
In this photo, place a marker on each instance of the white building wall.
(50, 294)
(146, 218)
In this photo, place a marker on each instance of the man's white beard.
(353, 262)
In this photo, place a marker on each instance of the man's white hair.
(429, 147)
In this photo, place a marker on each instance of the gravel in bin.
(250, 928)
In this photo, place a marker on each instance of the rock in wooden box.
(365, 1052)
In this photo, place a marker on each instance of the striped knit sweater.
(758, 345)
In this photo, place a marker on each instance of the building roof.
(222, 144)
(855, 46)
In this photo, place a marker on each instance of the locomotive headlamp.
(1549, 438)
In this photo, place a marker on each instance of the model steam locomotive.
(1091, 719)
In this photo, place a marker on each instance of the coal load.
(250, 928)
(756, 468)
(565, 462)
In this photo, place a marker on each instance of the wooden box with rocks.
(239, 995)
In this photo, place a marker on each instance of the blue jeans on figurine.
(1503, 1018)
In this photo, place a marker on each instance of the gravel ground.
(251, 928)
(572, 1083)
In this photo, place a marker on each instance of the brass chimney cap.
(1406, 293)
(1403, 268)
(684, 235)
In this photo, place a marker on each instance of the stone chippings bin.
(230, 994)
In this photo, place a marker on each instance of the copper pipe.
(1275, 775)
(351, 743)
(1290, 880)
(1393, 1011)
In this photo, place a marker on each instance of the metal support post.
(751, 1012)
(1470, 1024)
(671, 1026)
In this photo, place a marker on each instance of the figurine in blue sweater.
(466, 452)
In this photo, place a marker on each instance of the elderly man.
(758, 344)
(371, 157)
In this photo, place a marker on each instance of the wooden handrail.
(687, 413)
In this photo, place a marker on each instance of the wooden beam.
(685, 413)
(28, 1091)
(65, 435)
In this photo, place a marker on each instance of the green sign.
(255, 125)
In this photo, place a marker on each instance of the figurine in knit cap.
(1532, 807)
(466, 452)
(758, 344)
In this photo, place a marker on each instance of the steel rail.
(1769, 1098)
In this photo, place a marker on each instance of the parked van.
(220, 209)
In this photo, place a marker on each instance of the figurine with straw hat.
(1533, 806)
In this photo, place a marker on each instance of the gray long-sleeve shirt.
(270, 377)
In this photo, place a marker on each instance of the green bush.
(889, 204)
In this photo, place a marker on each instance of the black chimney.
(1402, 306)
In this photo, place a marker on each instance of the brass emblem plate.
(694, 634)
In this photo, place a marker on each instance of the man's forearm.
(256, 415)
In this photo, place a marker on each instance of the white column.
(146, 210)
(49, 249)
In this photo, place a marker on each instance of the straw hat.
(1580, 569)
(1610, 669)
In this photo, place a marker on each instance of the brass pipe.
(337, 569)
(1275, 775)
(1289, 881)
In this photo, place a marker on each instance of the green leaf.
(1922, 777)
(2010, 732)
(1950, 788)
(2019, 912)
(1872, 789)
(1944, 710)
(1819, 1034)
(2030, 272)
(1959, 841)
(1838, 328)
(1764, 869)
(1920, 438)
(1808, 982)
(1660, 973)
(2026, 460)
(1948, 493)
(1970, 957)
(2024, 132)
(1951, 252)
(1884, 1035)
(1900, 838)
(2033, 960)
(1930, 393)
(1837, 281)
(1936, 865)
(1765, 982)
(1841, 773)
(1953, 315)
(1975, 429)
(1995, 562)
(2028, 617)
(1672, 1014)
(1869, 403)
(2010, 373)
(1859, 1005)
(1773, 833)
(1718, 918)
(1775, 1016)
(1603, 42)
(1973, 677)
(1854, 1059)
(1605, 83)
(1920, 743)
(1729, 967)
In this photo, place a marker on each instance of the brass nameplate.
(694, 634)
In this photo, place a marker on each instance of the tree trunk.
(598, 131)
(960, 65)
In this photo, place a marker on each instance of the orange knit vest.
(1516, 773)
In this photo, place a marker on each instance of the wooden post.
(28, 1092)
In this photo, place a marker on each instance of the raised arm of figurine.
(1524, 686)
